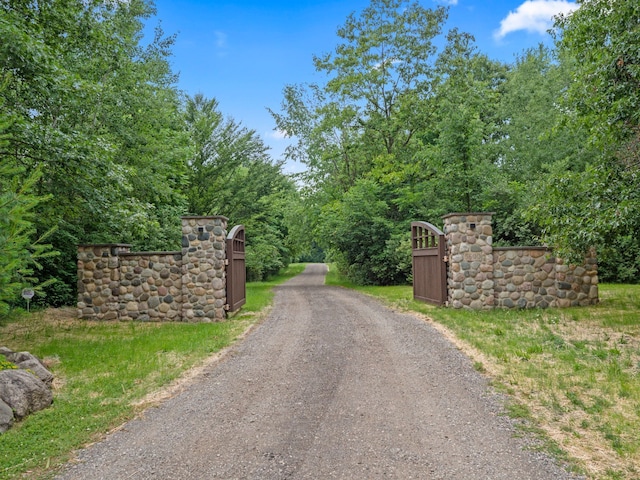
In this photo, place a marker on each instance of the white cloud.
(447, 2)
(535, 16)
(277, 134)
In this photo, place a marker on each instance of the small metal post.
(27, 294)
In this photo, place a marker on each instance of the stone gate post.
(470, 282)
(203, 262)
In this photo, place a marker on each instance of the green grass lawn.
(573, 373)
(103, 370)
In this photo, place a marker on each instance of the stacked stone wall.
(481, 276)
(187, 285)
(524, 277)
(99, 280)
(150, 286)
(577, 284)
(531, 277)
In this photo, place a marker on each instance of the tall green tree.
(366, 126)
(371, 106)
(20, 248)
(99, 116)
(599, 204)
(467, 96)
(534, 141)
(231, 174)
(601, 38)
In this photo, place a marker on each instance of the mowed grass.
(104, 371)
(573, 373)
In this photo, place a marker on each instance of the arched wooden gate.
(429, 263)
(236, 269)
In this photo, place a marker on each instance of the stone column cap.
(104, 245)
(212, 217)
(458, 214)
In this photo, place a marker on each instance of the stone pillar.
(470, 282)
(99, 280)
(203, 262)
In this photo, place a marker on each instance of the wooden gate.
(236, 269)
(429, 263)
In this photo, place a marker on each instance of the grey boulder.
(27, 361)
(23, 392)
(6, 417)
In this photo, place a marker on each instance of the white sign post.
(28, 294)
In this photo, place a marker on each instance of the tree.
(601, 38)
(20, 250)
(221, 147)
(533, 139)
(355, 231)
(379, 79)
(231, 173)
(366, 128)
(467, 96)
(597, 205)
(99, 116)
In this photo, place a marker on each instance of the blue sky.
(244, 52)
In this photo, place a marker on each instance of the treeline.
(402, 131)
(98, 145)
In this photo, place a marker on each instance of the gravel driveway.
(330, 385)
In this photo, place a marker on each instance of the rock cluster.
(23, 390)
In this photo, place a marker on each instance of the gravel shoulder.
(331, 385)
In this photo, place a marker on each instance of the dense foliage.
(97, 144)
(400, 131)
(94, 124)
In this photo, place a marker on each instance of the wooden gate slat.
(236, 271)
(429, 265)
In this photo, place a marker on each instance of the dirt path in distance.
(331, 385)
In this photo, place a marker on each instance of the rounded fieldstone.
(202, 277)
(458, 294)
(153, 302)
(476, 305)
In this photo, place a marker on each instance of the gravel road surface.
(330, 385)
